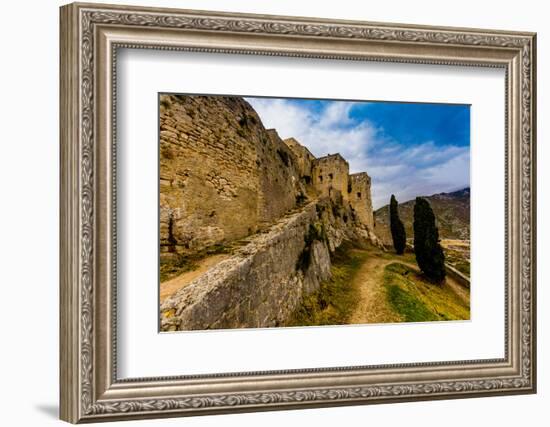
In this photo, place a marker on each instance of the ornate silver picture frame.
(91, 35)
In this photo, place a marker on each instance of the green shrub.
(428, 251)
(397, 228)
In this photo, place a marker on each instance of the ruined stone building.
(359, 196)
(331, 175)
(224, 177)
(331, 178)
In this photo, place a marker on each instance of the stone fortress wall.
(223, 178)
(303, 157)
(359, 196)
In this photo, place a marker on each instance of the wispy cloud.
(406, 170)
(416, 172)
(330, 130)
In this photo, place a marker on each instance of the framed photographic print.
(266, 212)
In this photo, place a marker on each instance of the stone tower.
(359, 197)
(330, 175)
(223, 176)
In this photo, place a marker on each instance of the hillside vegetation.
(372, 286)
(417, 300)
(452, 212)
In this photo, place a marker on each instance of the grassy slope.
(407, 293)
(417, 300)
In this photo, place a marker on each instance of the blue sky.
(408, 149)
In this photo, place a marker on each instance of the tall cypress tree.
(397, 228)
(428, 251)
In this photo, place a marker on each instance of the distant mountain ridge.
(452, 212)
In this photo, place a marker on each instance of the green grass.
(417, 300)
(187, 262)
(337, 298)
(390, 254)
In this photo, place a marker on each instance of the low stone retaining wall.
(458, 276)
(461, 278)
(260, 286)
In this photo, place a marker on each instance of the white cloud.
(331, 131)
(337, 114)
(422, 170)
(406, 171)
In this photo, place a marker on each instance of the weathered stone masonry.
(330, 175)
(359, 196)
(331, 178)
(222, 175)
(259, 286)
(225, 177)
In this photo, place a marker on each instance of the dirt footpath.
(171, 286)
(373, 306)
